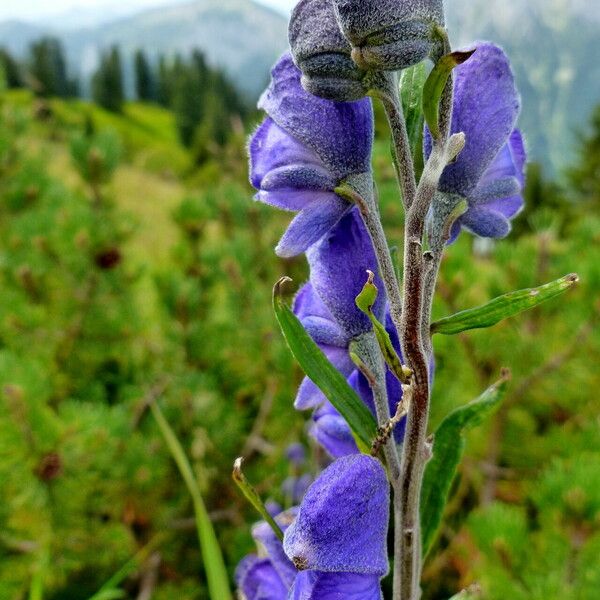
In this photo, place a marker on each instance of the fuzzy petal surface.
(342, 522)
(315, 585)
(331, 432)
(340, 133)
(339, 264)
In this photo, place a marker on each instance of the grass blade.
(216, 574)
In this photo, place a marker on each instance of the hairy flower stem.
(386, 89)
(417, 275)
(367, 348)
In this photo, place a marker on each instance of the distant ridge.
(553, 44)
(243, 37)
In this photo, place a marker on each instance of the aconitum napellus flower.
(335, 542)
(327, 309)
(390, 34)
(322, 52)
(489, 172)
(303, 150)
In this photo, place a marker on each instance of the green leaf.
(110, 588)
(253, 497)
(500, 308)
(435, 85)
(216, 574)
(448, 448)
(364, 302)
(329, 380)
(412, 81)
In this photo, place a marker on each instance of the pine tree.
(48, 69)
(584, 178)
(144, 79)
(12, 71)
(107, 82)
(188, 102)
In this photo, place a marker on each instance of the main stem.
(419, 281)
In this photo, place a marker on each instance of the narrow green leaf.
(412, 81)
(253, 497)
(329, 380)
(505, 306)
(216, 574)
(364, 302)
(448, 448)
(435, 85)
(110, 588)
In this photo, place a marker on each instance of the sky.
(36, 10)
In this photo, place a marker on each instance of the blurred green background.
(134, 267)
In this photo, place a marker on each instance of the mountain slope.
(243, 37)
(553, 45)
(553, 48)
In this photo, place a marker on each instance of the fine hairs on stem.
(418, 274)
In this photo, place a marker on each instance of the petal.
(486, 106)
(258, 580)
(341, 133)
(311, 224)
(342, 522)
(316, 318)
(507, 207)
(266, 538)
(486, 223)
(307, 303)
(494, 190)
(298, 177)
(324, 331)
(316, 585)
(271, 147)
(519, 154)
(309, 395)
(332, 432)
(291, 200)
(338, 265)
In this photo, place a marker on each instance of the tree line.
(205, 102)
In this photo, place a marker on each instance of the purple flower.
(338, 271)
(303, 150)
(390, 34)
(257, 579)
(323, 53)
(331, 431)
(270, 576)
(325, 331)
(296, 454)
(489, 172)
(336, 539)
(342, 522)
(315, 585)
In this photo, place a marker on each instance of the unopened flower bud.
(323, 54)
(390, 34)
